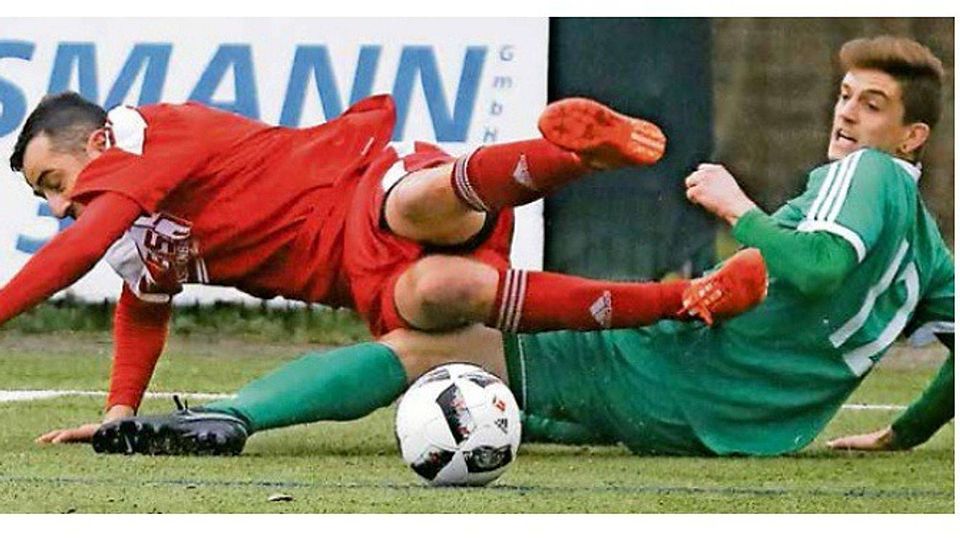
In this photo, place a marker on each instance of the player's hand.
(80, 434)
(84, 433)
(714, 188)
(878, 441)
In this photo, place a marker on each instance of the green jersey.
(777, 374)
(768, 381)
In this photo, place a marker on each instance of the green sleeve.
(928, 413)
(934, 408)
(816, 263)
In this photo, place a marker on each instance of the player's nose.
(59, 205)
(848, 110)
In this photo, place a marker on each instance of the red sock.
(538, 301)
(513, 174)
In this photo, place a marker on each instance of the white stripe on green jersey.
(870, 199)
(860, 360)
(840, 337)
(768, 381)
(833, 192)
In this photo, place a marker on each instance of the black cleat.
(184, 432)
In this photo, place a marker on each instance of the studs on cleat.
(602, 137)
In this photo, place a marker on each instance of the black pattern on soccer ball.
(456, 413)
(487, 458)
(430, 464)
(480, 378)
(439, 374)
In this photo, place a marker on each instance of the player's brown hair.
(914, 66)
(67, 118)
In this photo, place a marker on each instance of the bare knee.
(441, 292)
(420, 352)
(423, 207)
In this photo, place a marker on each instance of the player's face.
(52, 172)
(869, 113)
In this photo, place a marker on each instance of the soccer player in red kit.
(174, 194)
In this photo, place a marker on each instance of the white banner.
(458, 82)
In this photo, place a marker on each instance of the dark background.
(754, 94)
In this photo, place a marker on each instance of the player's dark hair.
(67, 118)
(918, 71)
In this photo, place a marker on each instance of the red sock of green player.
(513, 174)
(538, 301)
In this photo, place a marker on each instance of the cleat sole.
(605, 137)
(139, 437)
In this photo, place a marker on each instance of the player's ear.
(915, 137)
(98, 142)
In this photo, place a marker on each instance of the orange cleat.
(739, 285)
(602, 137)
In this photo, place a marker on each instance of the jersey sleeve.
(936, 311)
(139, 332)
(149, 155)
(934, 314)
(814, 263)
(850, 200)
(69, 255)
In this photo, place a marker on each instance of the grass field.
(355, 467)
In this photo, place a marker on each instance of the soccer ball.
(458, 425)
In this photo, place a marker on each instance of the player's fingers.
(48, 437)
(845, 443)
(693, 179)
(840, 445)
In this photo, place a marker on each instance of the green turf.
(308, 324)
(354, 467)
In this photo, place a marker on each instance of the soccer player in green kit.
(854, 261)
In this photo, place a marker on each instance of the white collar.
(913, 170)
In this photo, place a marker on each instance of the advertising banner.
(456, 82)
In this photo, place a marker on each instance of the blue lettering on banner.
(13, 102)
(502, 85)
(80, 58)
(75, 68)
(244, 83)
(153, 60)
(315, 60)
(77, 61)
(422, 60)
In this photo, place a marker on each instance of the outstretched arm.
(70, 254)
(816, 263)
(935, 407)
(922, 419)
(139, 333)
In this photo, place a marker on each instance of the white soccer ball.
(458, 425)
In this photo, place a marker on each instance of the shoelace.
(181, 406)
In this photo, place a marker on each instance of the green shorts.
(612, 385)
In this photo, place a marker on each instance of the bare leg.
(423, 207)
(442, 292)
(446, 204)
(420, 352)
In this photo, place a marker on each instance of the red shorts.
(374, 257)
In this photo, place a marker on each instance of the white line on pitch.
(872, 407)
(29, 395)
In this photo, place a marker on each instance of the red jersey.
(231, 201)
